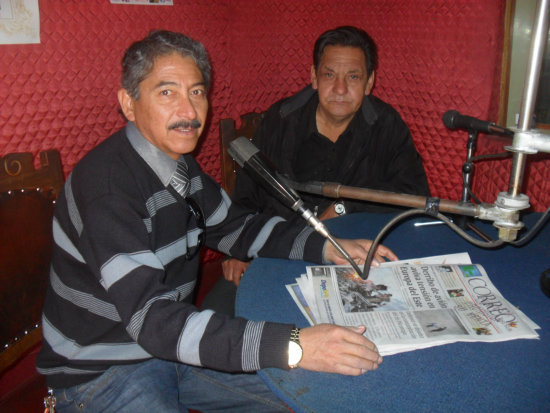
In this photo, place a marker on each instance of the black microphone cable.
(411, 212)
(478, 243)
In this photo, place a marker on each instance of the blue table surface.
(467, 377)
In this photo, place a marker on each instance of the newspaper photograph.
(407, 307)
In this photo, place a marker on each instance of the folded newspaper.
(415, 304)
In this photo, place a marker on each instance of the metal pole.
(536, 53)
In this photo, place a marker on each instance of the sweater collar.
(163, 166)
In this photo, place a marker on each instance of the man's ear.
(126, 104)
(313, 77)
(370, 84)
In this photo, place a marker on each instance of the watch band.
(295, 335)
(295, 351)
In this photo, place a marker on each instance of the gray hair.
(140, 57)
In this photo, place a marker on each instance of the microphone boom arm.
(505, 217)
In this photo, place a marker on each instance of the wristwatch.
(340, 208)
(295, 351)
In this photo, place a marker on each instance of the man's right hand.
(335, 349)
(233, 270)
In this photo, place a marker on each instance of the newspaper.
(408, 306)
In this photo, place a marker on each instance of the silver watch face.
(294, 354)
(339, 208)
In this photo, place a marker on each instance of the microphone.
(454, 120)
(265, 173)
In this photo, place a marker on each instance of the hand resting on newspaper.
(335, 349)
(358, 249)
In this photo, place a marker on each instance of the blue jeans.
(162, 386)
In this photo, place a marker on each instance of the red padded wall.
(435, 55)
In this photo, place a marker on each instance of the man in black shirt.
(333, 130)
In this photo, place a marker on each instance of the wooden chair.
(27, 200)
(211, 271)
(228, 133)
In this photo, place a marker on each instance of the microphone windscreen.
(241, 150)
(449, 119)
(263, 171)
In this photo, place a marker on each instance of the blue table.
(511, 376)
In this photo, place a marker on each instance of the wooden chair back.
(27, 200)
(228, 132)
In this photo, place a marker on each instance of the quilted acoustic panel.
(435, 55)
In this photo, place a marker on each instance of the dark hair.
(140, 57)
(347, 36)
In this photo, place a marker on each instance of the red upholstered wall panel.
(435, 55)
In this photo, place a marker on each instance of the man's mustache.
(185, 124)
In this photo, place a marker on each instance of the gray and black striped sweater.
(120, 284)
